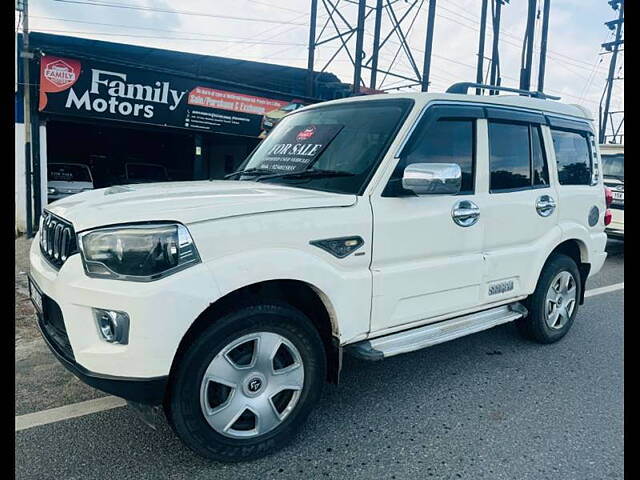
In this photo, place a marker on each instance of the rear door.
(521, 211)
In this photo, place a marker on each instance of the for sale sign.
(299, 148)
(99, 90)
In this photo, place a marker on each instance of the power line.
(130, 35)
(179, 12)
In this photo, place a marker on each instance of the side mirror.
(432, 178)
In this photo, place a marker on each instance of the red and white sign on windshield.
(235, 102)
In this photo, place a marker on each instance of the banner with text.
(99, 90)
(299, 147)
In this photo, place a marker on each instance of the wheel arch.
(577, 250)
(308, 298)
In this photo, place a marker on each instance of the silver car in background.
(65, 179)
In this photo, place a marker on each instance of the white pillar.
(43, 165)
(21, 208)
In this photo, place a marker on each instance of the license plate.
(35, 295)
(618, 195)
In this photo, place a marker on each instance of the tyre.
(554, 303)
(248, 382)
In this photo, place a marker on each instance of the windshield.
(66, 172)
(613, 165)
(139, 171)
(349, 138)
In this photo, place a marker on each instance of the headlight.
(137, 252)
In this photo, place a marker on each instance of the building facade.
(105, 114)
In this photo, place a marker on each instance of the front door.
(425, 262)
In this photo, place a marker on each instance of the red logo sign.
(307, 133)
(56, 74)
(59, 73)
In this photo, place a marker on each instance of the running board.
(421, 337)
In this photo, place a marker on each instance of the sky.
(277, 31)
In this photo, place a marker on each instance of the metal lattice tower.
(343, 32)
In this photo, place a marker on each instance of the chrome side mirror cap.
(432, 178)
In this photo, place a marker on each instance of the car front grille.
(57, 239)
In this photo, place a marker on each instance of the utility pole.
(527, 52)
(26, 57)
(483, 27)
(495, 57)
(615, 4)
(543, 44)
(312, 48)
(357, 69)
(426, 66)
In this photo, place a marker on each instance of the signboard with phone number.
(299, 147)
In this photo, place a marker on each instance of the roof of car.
(513, 101)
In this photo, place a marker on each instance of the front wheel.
(554, 303)
(247, 384)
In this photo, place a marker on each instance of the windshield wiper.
(248, 171)
(308, 173)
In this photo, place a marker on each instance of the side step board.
(421, 337)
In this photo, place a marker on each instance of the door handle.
(465, 213)
(545, 205)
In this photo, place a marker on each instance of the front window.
(341, 144)
(446, 141)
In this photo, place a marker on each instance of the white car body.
(416, 266)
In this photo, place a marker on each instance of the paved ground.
(485, 406)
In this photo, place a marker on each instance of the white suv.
(374, 225)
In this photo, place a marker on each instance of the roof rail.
(462, 87)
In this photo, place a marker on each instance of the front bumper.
(142, 390)
(161, 312)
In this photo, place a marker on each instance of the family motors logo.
(60, 73)
(307, 133)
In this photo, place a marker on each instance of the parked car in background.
(613, 173)
(145, 173)
(64, 179)
(270, 119)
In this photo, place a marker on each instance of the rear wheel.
(554, 303)
(246, 385)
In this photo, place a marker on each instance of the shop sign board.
(99, 90)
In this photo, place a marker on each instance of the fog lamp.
(113, 326)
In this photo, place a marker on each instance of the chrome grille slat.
(57, 239)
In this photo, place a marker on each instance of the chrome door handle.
(545, 205)
(465, 213)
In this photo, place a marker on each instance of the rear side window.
(445, 141)
(572, 156)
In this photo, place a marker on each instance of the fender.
(348, 289)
